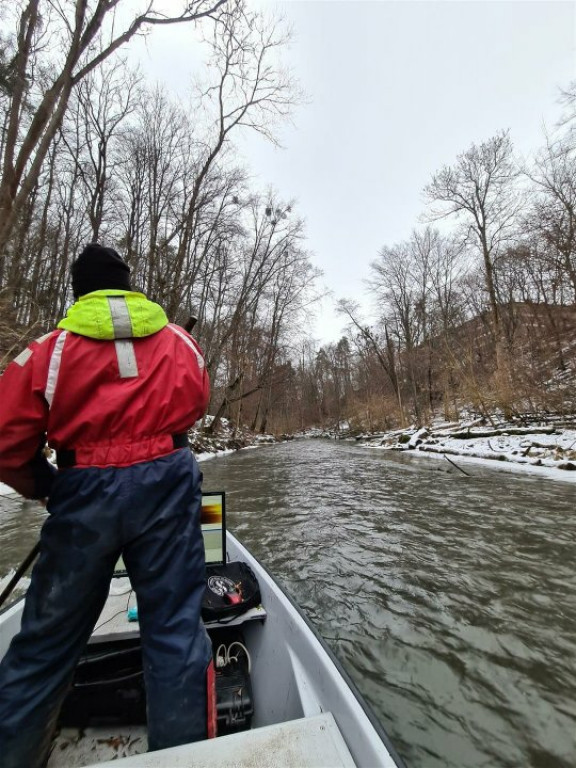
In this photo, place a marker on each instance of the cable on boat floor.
(311, 742)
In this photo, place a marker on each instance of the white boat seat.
(311, 742)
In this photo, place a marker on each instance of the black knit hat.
(98, 268)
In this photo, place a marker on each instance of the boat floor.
(77, 747)
(310, 742)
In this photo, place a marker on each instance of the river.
(450, 600)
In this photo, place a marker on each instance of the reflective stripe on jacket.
(114, 383)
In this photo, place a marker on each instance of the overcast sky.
(396, 90)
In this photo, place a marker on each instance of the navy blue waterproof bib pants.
(149, 513)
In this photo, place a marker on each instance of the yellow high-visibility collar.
(91, 315)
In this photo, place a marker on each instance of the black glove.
(43, 472)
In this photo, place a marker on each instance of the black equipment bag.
(108, 687)
(231, 590)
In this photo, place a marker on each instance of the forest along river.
(450, 600)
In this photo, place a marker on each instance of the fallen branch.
(457, 467)
(469, 434)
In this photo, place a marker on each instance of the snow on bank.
(212, 455)
(544, 450)
(225, 440)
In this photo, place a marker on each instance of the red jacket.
(114, 401)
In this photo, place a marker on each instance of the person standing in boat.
(115, 389)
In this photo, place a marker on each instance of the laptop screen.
(213, 523)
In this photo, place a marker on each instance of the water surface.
(451, 600)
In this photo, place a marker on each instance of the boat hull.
(294, 676)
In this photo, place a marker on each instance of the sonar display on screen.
(213, 522)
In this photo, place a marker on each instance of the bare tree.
(480, 191)
(553, 215)
(249, 90)
(401, 282)
(268, 280)
(386, 353)
(65, 43)
(103, 102)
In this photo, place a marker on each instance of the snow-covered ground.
(543, 449)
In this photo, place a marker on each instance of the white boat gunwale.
(365, 706)
(10, 606)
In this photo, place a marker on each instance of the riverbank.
(546, 448)
(226, 439)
